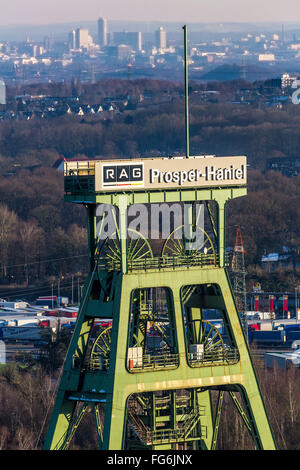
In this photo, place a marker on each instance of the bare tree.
(30, 236)
(4, 436)
(8, 224)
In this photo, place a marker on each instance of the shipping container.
(23, 333)
(13, 305)
(294, 327)
(276, 337)
(13, 320)
(292, 335)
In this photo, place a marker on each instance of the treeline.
(269, 215)
(36, 224)
(43, 236)
(40, 235)
(116, 88)
(215, 128)
(279, 390)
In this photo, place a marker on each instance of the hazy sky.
(57, 11)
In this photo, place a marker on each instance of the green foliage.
(11, 373)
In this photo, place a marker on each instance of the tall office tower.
(82, 38)
(102, 31)
(282, 34)
(2, 92)
(137, 39)
(133, 39)
(161, 38)
(48, 42)
(72, 39)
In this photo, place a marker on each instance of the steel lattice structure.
(239, 273)
(156, 376)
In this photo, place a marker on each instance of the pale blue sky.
(57, 11)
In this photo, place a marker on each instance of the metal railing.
(75, 184)
(150, 362)
(79, 177)
(172, 262)
(79, 168)
(146, 362)
(153, 362)
(185, 430)
(163, 436)
(190, 420)
(98, 363)
(221, 357)
(160, 263)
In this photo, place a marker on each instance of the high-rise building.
(49, 42)
(102, 31)
(2, 92)
(121, 52)
(82, 38)
(72, 39)
(161, 38)
(133, 39)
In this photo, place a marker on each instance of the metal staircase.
(183, 431)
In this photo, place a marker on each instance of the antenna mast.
(186, 86)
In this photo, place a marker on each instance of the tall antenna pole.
(186, 86)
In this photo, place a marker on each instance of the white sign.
(170, 173)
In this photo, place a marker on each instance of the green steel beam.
(98, 425)
(217, 420)
(161, 196)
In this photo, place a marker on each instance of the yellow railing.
(222, 356)
(159, 262)
(153, 362)
(79, 168)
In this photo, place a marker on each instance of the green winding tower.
(156, 371)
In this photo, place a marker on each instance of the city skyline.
(60, 11)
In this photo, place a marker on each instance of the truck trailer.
(25, 333)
